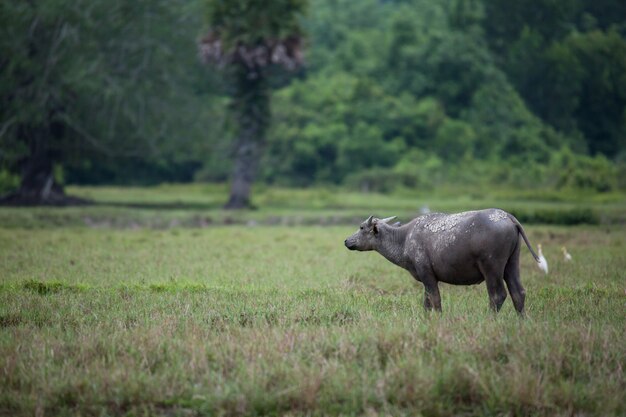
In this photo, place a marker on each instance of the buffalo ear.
(375, 228)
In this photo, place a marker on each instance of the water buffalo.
(461, 249)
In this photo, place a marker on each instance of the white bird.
(566, 254)
(542, 263)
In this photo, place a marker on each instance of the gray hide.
(461, 249)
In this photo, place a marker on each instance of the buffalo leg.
(432, 299)
(428, 306)
(513, 283)
(495, 286)
(497, 294)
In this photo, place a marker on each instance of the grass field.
(130, 308)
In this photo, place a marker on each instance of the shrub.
(570, 170)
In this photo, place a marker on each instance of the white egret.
(566, 254)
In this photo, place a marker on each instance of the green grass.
(261, 320)
(199, 205)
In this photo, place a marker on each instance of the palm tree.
(246, 38)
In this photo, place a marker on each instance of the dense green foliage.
(403, 93)
(421, 93)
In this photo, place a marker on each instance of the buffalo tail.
(521, 232)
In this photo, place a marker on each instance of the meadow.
(156, 302)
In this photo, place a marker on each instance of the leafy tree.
(456, 66)
(455, 140)
(79, 77)
(601, 111)
(567, 60)
(247, 38)
(505, 21)
(505, 128)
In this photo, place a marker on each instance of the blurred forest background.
(392, 94)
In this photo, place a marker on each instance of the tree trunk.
(251, 113)
(38, 186)
(246, 164)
